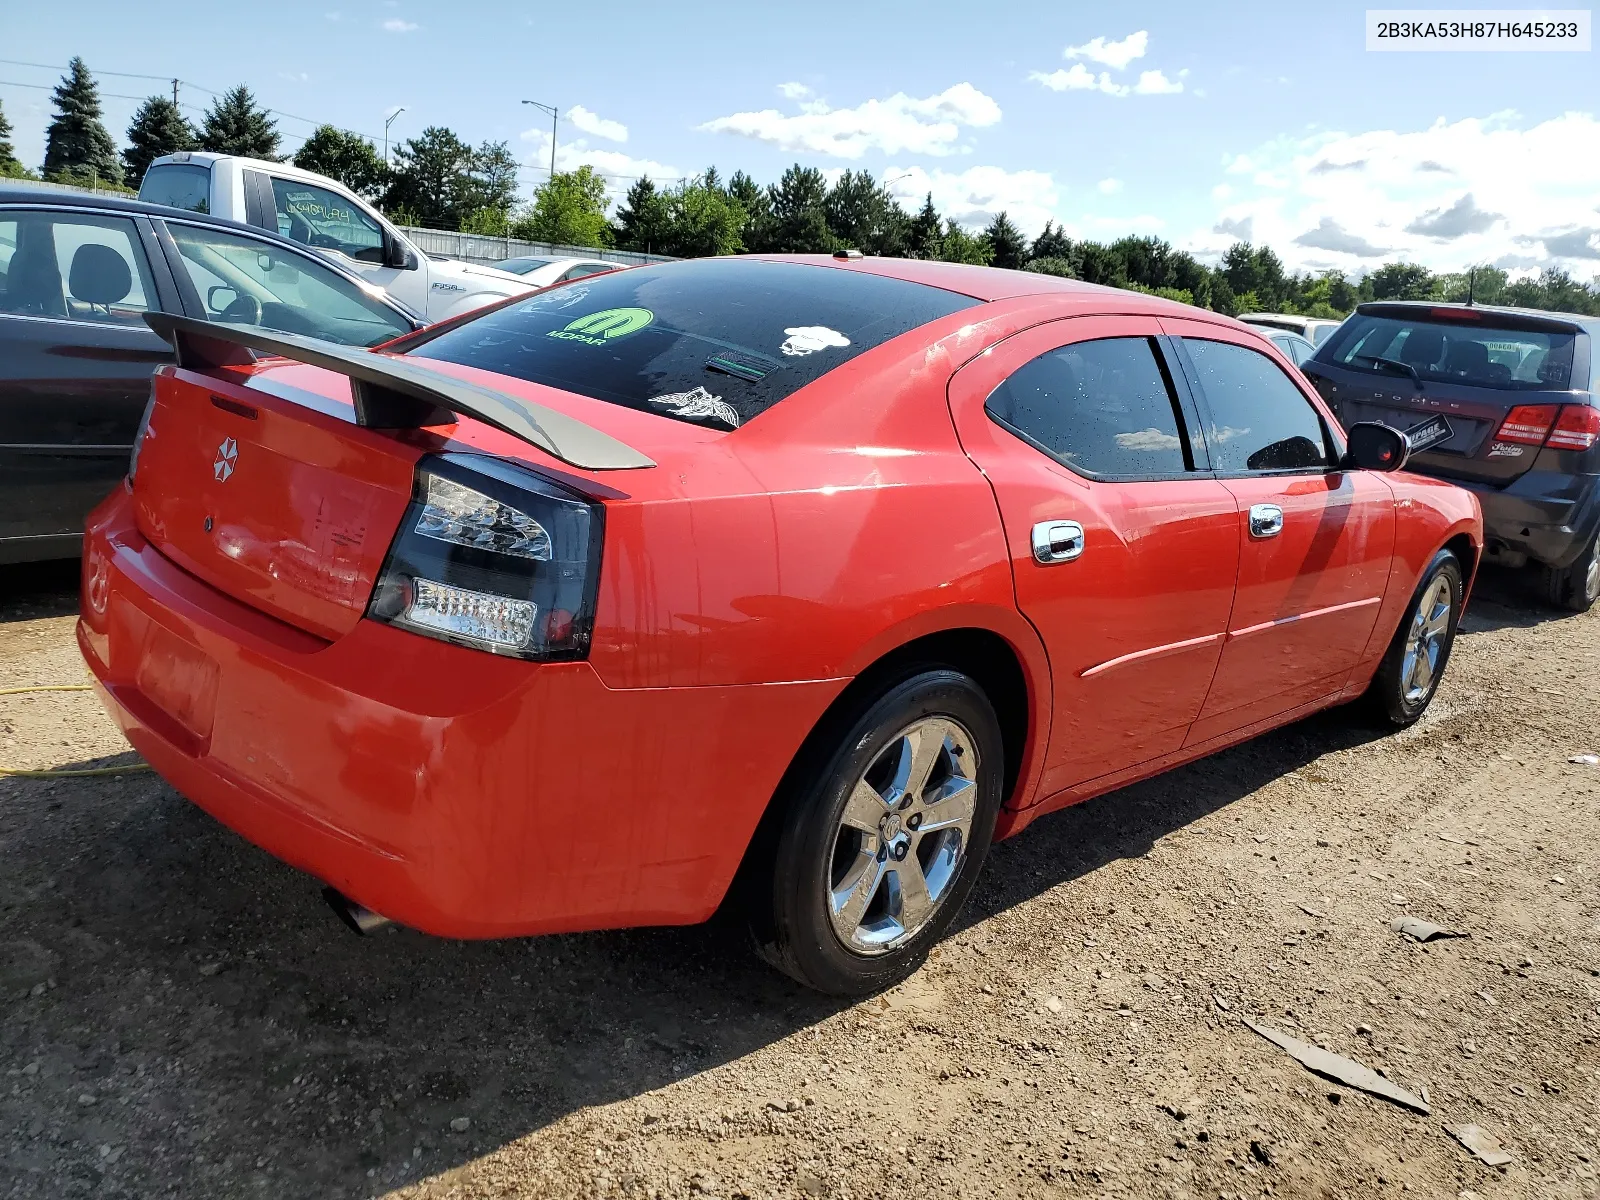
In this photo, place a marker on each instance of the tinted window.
(1259, 420)
(77, 267)
(1477, 354)
(243, 281)
(1102, 408)
(325, 220)
(521, 266)
(182, 185)
(715, 341)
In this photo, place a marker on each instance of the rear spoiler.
(391, 392)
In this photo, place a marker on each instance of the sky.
(1199, 124)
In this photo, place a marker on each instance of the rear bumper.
(1549, 518)
(459, 793)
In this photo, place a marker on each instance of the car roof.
(22, 192)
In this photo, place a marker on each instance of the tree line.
(440, 181)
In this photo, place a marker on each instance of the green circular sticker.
(598, 328)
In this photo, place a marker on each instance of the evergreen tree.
(432, 180)
(925, 235)
(493, 177)
(10, 166)
(643, 219)
(77, 145)
(235, 125)
(757, 206)
(158, 128)
(1007, 246)
(959, 246)
(799, 214)
(862, 215)
(347, 157)
(1052, 242)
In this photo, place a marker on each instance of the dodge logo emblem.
(227, 457)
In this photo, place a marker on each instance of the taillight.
(138, 437)
(1578, 428)
(1528, 424)
(495, 557)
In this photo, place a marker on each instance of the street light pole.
(387, 122)
(554, 113)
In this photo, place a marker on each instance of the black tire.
(790, 887)
(1392, 698)
(1575, 588)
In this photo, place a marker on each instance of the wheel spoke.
(912, 892)
(925, 742)
(952, 808)
(850, 905)
(865, 808)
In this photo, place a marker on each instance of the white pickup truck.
(332, 220)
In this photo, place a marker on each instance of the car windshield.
(1479, 354)
(715, 341)
(522, 266)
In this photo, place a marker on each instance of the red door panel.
(1307, 597)
(1135, 625)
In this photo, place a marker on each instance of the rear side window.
(1480, 355)
(1258, 420)
(181, 185)
(1103, 408)
(713, 341)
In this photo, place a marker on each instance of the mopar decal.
(598, 328)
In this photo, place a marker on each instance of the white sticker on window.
(808, 339)
(698, 405)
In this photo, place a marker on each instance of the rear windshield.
(1479, 355)
(179, 185)
(521, 266)
(713, 341)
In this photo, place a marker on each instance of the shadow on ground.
(31, 590)
(233, 1034)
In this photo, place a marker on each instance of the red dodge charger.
(800, 579)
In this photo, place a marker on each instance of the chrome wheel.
(1425, 641)
(903, 836)
(1591, 577)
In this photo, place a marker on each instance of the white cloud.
(396, 25)
(899, 124)
(1481, 189)
(618, 169)
(591, 123)
(1108, 187)
(793, 91)
(973, 196)
(1155, 83)
(1116, 55)
(1079, 78)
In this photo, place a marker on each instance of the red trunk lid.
(284, 504)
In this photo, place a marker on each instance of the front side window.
(1258, 419)
(1103, 408)
(715, 341)
(78, 267)
(242, 281)
(1479, 354)
(180, 185)
(325, 220)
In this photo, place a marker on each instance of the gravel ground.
(180, 1015)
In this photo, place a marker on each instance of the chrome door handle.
(1266, 520)
(1057, 542)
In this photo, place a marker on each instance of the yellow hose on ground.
(62, 773)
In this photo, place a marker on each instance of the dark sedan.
(77, 274)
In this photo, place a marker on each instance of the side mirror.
(219, 297)
(1376, 447)
(397, 255)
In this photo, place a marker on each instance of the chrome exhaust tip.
(359, 918)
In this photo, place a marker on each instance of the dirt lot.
(180, 1015)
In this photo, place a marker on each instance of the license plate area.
(1430, 433)
(178, 678)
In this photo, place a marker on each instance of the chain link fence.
(481, 248)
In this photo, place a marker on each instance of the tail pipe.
(358, 917)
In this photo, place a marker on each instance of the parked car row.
(785, 583)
